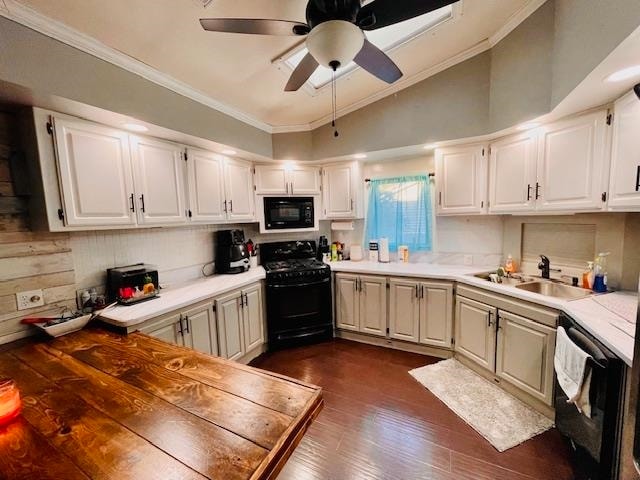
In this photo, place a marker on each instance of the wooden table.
(102, 405)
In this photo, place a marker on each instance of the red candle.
(10, 404)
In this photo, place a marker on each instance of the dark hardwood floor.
(379, 423)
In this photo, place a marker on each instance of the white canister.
(253, 261)
(383, 255)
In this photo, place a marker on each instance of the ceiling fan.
(335, 33)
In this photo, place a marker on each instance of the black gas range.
(298, 294)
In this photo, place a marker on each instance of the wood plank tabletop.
(100, 405)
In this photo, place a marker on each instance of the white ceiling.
(239, 70)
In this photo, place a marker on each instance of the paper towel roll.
(383, 254)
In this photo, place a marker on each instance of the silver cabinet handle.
(225, 206)
(142, 202)
(246, 300)
(489, 316)
(231, 206)
(133, 205)
(421, 291)
(186, 324)
(417, 291)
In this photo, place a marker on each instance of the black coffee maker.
(231, 254)
(323, 247)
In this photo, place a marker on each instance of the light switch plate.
(30, 299)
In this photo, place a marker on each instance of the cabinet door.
(239, 189)
(373, 305)
(229, 313)
(525, 355)
(253, 317)
(170, 330)
(512, 173)
(305, 180)
(339, 191)
(159, 180)
(624, 190)
(206, 186)
(200, 329)
(436, 313)
(272, 180)
(404, 310)
(475, 331)
(347, 304)
(461, 180)
(94, 166)
(573, 163)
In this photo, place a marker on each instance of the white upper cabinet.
(461, 180)
(512, 173)
(159, 179)
(238, 179)
(573, 163)
(341, 192)
(94, 168)
(305, 180)
(206, 186)
(272, 180)
(624, 188)
(287, 180)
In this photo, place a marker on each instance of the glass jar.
(10, 404)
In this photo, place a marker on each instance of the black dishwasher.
(595, 441)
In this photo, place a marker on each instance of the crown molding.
(15, 11)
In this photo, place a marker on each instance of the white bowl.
(72, 325)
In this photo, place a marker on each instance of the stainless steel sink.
(553, 289)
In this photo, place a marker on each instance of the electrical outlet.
(30, 299)
(468, 260)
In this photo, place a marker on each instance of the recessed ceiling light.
(229, 151)
(135, 127)
(528, 126)
(624, 74)
(360, 156)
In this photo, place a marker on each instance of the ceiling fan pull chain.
(334, 103)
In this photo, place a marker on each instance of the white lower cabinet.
(193, 328)
(240, 322)
(421, 311)
(525, 355)
(475, 331)
(436, 314)
(361, 303)
(404, 309)
(514, 348)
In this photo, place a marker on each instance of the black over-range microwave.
(282, 213)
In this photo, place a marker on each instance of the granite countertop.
(609, 328)
(181, 296)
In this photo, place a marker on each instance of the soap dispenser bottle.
(600, 271)
(587, 277)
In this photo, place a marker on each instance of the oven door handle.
(297, 285)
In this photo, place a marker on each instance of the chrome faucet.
(545, 266)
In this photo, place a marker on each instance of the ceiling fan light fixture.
(335, 43)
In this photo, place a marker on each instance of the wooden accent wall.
(28, 260)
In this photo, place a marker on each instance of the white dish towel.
(574, 376)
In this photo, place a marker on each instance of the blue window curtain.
(400, 210)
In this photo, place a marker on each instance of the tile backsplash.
(178, 253)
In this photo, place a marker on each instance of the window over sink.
(400, 209)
